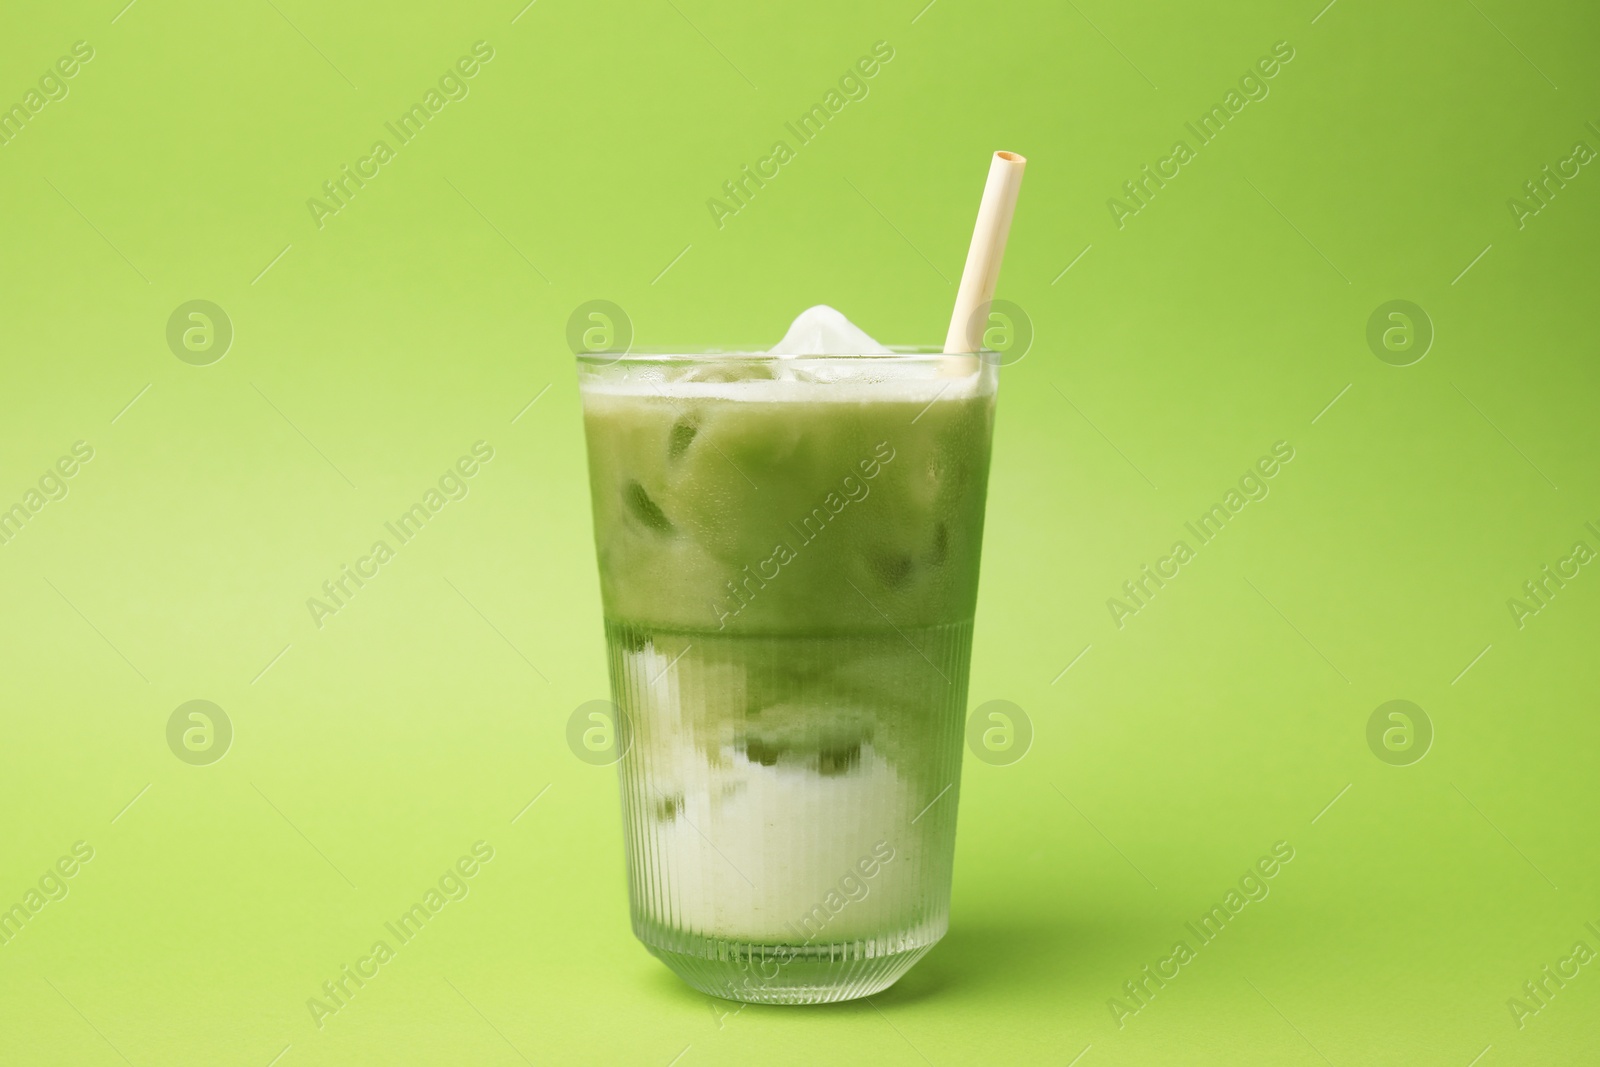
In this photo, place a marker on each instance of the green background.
(1227, 715)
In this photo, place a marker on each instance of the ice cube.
(824, 331)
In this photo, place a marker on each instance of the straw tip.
(1012, 157)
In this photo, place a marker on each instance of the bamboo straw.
(984, 255)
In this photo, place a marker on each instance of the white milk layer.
(771, 854)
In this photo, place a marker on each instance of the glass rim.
(897, 354)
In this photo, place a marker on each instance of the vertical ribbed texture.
(790, 803)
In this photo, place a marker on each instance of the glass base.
(784, 974)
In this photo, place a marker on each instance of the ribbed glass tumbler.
(788, 554)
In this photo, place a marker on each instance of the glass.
(788, 551)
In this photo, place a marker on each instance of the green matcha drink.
(788, 554)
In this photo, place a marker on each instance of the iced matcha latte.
(788, 556)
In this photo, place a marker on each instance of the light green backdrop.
(1228, 714)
